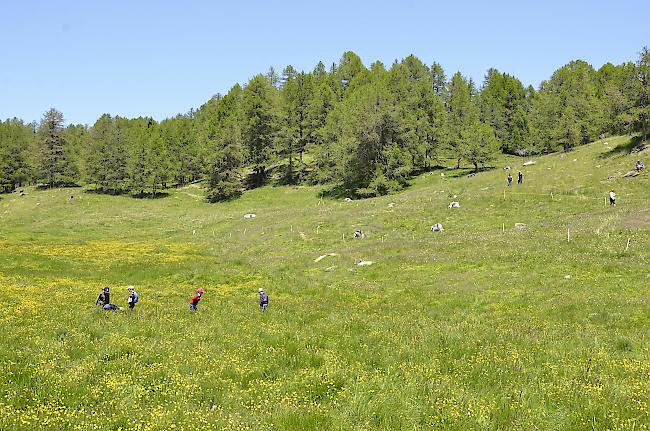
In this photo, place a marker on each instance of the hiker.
(509, 180)
(612, 198)
(520, 178)
(264, 299)
(194, 301)
(639, 166)
(133, 297)
(104, 297)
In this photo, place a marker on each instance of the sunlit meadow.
(483, 326)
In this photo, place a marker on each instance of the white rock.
(436, 227)
(250, 215)
(365, 263)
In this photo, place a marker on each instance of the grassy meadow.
(483, 326)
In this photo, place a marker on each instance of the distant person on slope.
(520, 178)
(639, 166)
(133, 297)
(194, 301)
(264, 299)
(509, 180)
(612, 198)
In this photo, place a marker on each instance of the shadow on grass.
(57, 186)
(464, 172)
(158, 195)
(624, 149)
(108, 192)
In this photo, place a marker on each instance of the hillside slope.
(485, 325)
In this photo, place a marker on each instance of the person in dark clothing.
(264, 299)
(104, 297)
(194, 301)
(520, 178)
(509, 180)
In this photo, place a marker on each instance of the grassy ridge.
(482, 326)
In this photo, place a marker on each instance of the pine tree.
(54, 165)
(15, 141)
(641, 111)
(462, 115)
(260, 124)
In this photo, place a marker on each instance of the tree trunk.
(458, 163)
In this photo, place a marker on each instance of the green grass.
(482, 326)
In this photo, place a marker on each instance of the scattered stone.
(528, 163)
(250, 215)
(442, 174)
(347, 200)
(520, 226)
(303, 236)
(454, 205)
(568, 277)
(364, 263)
(575, 160)
(330, 268)
(319, 258)
(471, 175)
(631, 174)
(391, 205)
(507, 168)
(436, 227)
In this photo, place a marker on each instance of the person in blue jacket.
(264, 299)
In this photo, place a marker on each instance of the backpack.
(136, 297)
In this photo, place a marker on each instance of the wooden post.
(382, 239)
(291, 228)
(628, 244)
(503, 228)
(317, 229)
(568, 234)
(552, 196)
(230, 234)
(343, 236)
(244, 231)
(504, 194)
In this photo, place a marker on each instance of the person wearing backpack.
(264, 299)
(133, 297)
(194, 301)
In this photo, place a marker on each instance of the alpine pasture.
(481, 326)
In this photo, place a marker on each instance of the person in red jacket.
(194, 301)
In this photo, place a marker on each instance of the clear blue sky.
(160, 58)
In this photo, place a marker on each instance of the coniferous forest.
(364, 131)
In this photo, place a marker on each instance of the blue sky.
(160, 58)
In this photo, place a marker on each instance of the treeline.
(366, 131)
